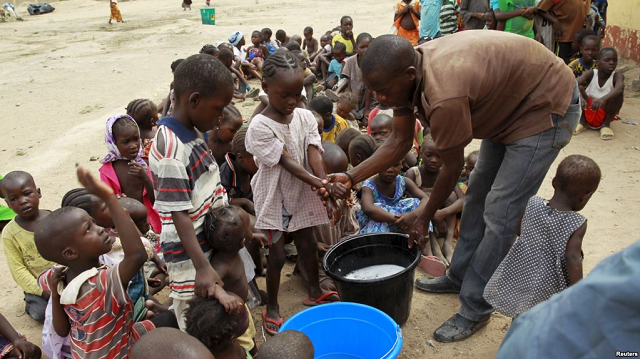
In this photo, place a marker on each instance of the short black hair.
(225, 55)
(133, 206)
(363, 145)
(381, 117)
(576, 174)
(172, 343)
(608, 49)
(51, 234)
(201, 73)
(280, 33)
(345, 137)
(334, 158)
(307, 30)
(344, 18)
(292, 46)
(321, 104)
(590, 38)
(209, 50)
(237, 144)
(16, 176)
(290, 344)
(175, 64)
(280, 61)
(339, 47)
(267, 31)
(142, 111)
(581, 34)
(388, 54)
(208, 322)
(364, 36)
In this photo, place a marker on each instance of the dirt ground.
(63, 74)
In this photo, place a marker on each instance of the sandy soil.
(64, 73)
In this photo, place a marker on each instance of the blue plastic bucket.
(348, 331)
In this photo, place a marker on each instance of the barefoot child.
(14, 345)
(237, 41)
(187, 179)
(332, 124)
(384, 206)
(334, 71)
(228, 230)
(310, 44)
(285, 143)
(241, 85)
(602, 93)
(221, 136)
(589, 50)
(217, 328)
(406, 20)
(145, 113)
(123, 168)
(547, 257)
(346, 35)
(257, 53)
(25, 263)
(70, 237)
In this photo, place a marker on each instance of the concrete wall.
(623, 28)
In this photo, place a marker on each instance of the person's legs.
(35, 306)
(275, 262)
(306, 244)
(564, 51)
(611, 109)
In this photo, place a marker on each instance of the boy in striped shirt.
(90, 301)
(449, 13)
(186, 177)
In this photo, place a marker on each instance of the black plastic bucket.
(391, 294)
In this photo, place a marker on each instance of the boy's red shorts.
(595, 118)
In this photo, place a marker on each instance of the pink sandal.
(433, 266)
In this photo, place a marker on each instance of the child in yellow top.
(332, 123)
(25, 263)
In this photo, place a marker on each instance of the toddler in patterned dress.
(547, 257)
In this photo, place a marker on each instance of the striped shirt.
(275, 188)
(185, 178)
(101, 318)
(449, 17)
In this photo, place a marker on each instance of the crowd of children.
(194, 200)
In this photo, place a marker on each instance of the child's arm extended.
(206, 276)
(300, 172)
(231, 304)
(135, 254)
(60, 320)
(527, 12)
(573, 254)
(21, 347)
(372, 211)
(406, 220)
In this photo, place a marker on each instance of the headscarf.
(234, 38)
(109, 140)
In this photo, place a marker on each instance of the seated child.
(123, 168)
(589, 50)
(272, 45)
(345, 107)
(310, 44)
(257, 52)
(90, 301)
(334, 72)
(217, 328)
(444, 220)
(145, 113)
(309, 77)
(333, 124)
(221, 136)
(237, 41)
(547, 257)
(335, 161)
(210, 50)
(322, 57)
(172, 343)
(384, 206)
(344, 139)
(406, 20)
(25, 263)
(282, 37)
(346, 36)
(602, 93)
(381, 127)
(228, 229)
(15, 345)
(290, 344)
(241, 85)
(469, 165)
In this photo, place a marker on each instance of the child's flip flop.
(578, 129)
(606, 134)
(323, 299)
(433, 266)
(266, 320)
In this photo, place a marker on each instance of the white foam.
(374, 272)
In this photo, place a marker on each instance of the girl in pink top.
(123, 168)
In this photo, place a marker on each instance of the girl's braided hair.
(142, 110)
(280, 61)
(78, 197)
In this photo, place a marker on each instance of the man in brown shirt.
(571, 15)
(505, 89)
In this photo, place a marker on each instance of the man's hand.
(529, 12)
(205, 283)
(419, 231)
(558, 31)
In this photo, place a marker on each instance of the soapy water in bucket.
(374, 272)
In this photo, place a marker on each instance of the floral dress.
(396, 206)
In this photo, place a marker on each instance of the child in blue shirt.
(334, 72)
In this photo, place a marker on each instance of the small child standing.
(602, 93)
(14, 345)
(285, 143)
(123, 168)
(310, 44)
(384, 206)
(25, 263)
(186, 177)
(332, 124)
(145, 113)
(115, 12)
(589, 50)
(406, 20)
(547, 257)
